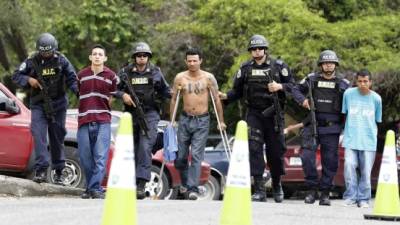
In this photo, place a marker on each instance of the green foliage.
(363, 33)
(108, 22)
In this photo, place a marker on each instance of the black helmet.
(141, 47)
(258, 41)
(46, 43)
(328, 56)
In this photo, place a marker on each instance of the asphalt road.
(76, 211)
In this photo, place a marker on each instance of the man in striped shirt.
(96, 82)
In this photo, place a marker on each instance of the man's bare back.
(194, 91)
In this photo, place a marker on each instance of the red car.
(294, 178)
(16, 141)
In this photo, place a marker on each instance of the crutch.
(171, 123)
(223, 134)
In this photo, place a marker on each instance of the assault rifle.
(138, 110)
(44, 94)
(275, 108)
(313, 118)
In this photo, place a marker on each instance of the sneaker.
(193, 195)
(363, 204)
(349, 202)
(40, 176)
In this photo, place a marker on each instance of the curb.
(23, 187)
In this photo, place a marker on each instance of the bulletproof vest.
(48, 72)
(256, 93)
(143, 84)
(327, 95)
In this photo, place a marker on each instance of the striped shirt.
(94, 95)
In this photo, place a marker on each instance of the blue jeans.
(193, 133)
(93, 145)
(358, 184)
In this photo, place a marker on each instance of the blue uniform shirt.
(25, 71)
(363, 112)
(159, 82)
(300, 92)
(285, 76)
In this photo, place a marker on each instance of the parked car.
(17, 146)
(170, 181)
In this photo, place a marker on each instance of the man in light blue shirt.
(363, 109)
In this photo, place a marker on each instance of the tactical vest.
(255, 91)
(327, 95)
(143, 84)
(49, 72)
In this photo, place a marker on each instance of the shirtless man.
(194, 85)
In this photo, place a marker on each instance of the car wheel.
(72, 174)
(210, 190)
(162, 190)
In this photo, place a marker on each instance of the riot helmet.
(258, 41)
(328, 56)
(46, 44)
(141, 47)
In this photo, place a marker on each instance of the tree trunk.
(3, 55)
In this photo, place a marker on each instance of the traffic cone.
(387, 204)
(120, 203)
(236, 208)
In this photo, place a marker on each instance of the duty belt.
(325, 123)
(194, 116)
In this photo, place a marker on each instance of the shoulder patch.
(311, 75)
(284, 72)
(22, 66)
(346, 81)
(239, 74)
(279, 62)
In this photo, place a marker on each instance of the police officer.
(47, 72)
(327, 88)
(251, 83)
(151, 88)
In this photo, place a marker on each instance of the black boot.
(259, 190)
(324, 200)
(140, 191)
(40, 176)
(58, 178)
(278, 193)
(311, 196)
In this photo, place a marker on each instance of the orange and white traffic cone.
(387, 204)
(120, 203)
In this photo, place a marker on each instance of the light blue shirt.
(362, 114)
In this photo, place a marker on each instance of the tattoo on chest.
(196, 87)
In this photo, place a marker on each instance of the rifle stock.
(138, 110)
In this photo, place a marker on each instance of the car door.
(15, 137)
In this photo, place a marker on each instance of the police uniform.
(251, 83)
(57, 73)
(327, 96)
(150, 88)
